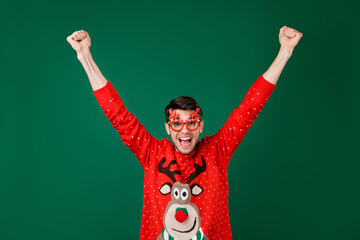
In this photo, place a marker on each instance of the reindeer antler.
(198, 170)
(166, 170)
(195, 115)
(173, 116)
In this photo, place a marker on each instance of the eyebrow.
(185, 119)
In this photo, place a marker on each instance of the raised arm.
(242, 118)
(81, 42)
(288, 38)
(133, 134)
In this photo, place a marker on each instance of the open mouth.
(185, 141)
(187, 231)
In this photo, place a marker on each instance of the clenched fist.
(289, 37)
(79, 40)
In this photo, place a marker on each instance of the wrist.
(286, 51)
(83, 53)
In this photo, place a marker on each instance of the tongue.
(185, 143)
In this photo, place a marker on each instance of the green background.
(64, 172)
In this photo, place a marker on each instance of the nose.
(181, 214)
(184, 129)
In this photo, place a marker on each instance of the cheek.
(173, 136)
(197, 134)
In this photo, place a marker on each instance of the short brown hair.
(182, 103)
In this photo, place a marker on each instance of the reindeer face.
(182, 218)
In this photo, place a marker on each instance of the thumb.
(72, 42)
(70, 39)
(282, 30)
(298, 35)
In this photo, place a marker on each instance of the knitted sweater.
(199, 235)
(216, 150)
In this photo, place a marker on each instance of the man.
(185, 182)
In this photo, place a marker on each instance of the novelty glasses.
(177, 125)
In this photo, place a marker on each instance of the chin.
(185, 151)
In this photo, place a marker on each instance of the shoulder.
(165, 142)
(165, 145)
(206, 142)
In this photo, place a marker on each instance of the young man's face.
(185, 140)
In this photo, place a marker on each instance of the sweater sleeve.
(229, 137)
(133, 134)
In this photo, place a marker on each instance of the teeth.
(187, 138)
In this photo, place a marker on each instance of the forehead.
(183, 114)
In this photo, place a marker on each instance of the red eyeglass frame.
(183, 122)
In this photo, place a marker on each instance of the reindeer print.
(181, 219)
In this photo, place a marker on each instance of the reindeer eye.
(176, 193)
(184, 194)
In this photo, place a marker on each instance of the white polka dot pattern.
(216, 150)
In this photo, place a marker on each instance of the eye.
(176, 193)
(184, 194)
(191, 123)
(177, 124)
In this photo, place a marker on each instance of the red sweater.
(216, 150)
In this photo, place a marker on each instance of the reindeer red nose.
(181, 214)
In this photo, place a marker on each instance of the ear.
(165, 188)
(201, 126)
(196, 190)
(167, 128)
